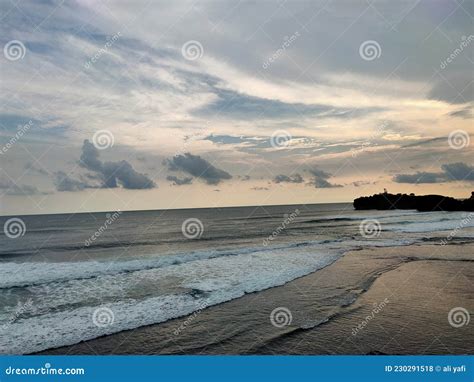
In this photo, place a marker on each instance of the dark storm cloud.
(450, 172)
(297, 178)
(320, 179)
(90, 157)
(179, 181)
(113, 174)
(198, 167)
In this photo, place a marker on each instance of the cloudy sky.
(128, 105)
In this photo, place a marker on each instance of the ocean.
(71, 278)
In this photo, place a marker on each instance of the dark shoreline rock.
(386, 201)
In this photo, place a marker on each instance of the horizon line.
(173, 209)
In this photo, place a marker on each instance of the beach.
(392, 300)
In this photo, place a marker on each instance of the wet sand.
(374, 301)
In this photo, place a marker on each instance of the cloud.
(454, 89)
(458, 171)
(319, 179)
(360, 183)
(198, 167)
(90, 157)
(113, 174)
(234, 104)
(179, 181)
(426, 142)
(297, 178)
(31, 167)
(10, 188)
(64, 182)
(450, 172)
(420, 177)
(465, 113)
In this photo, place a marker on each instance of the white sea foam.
(33, 273)
(68, 306)
(433, 222)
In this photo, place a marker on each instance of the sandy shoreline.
(385, 300)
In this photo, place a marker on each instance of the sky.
(130, 105)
